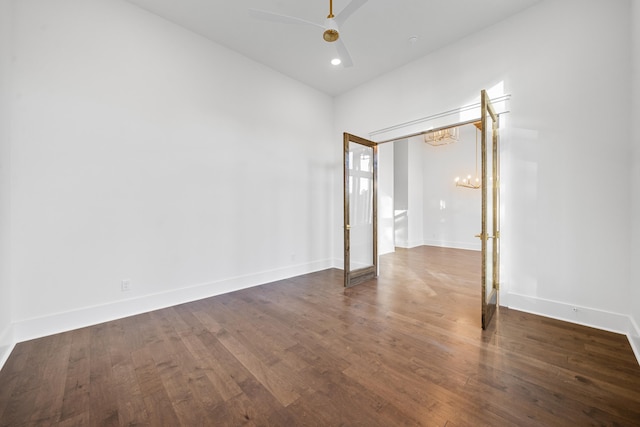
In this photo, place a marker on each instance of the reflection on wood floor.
(406, 349)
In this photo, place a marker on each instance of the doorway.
(360, 206)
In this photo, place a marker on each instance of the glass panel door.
(490, 209)
(360, 210)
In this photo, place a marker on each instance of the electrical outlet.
(125, 285)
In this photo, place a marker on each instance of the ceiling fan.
(331, 25)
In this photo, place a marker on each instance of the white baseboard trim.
(66, 321)
(7, 343)
(339, 263)
(61, 322)
(634, 338)
(635, 345)
(408, 244)
(475, 246)
(600, 319)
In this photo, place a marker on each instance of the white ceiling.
(376, 35)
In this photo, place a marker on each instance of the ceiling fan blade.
(283, 19)
(343, 53)
(348, 11)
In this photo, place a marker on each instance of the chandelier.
(470, 182)
(442, 136)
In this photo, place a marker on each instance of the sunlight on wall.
(472, 112)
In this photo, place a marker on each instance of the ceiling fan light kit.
(331, 33)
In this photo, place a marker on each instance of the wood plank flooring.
(404, 350)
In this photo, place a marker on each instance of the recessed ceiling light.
(336, 61)
(413, 39)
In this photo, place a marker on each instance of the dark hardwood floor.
(406, 349)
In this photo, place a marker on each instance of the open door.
(490, 234)
(360, 210)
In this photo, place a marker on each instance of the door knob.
(479, 236)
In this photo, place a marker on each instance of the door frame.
(485, 106)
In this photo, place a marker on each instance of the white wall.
(429, 208)
(566, 209)
(452, 215)
(408, 207)
(6, 336)
(142, 151)
(386, 197)
(635, 177)
(415, 182)
(401, 191)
